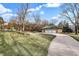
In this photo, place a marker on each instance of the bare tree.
(37, 18)
(38, 22)
(22, 13)
(1, 23)
(71, 12)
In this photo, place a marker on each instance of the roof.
(51, 27)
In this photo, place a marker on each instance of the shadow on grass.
(76, 38)
(48, 36)
(37, 45)
(41, 48)
(34, 44)
(20, 44)
(7, 50)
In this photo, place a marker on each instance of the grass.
(24, 44)
(76, 37)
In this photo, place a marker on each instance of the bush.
(67, 29)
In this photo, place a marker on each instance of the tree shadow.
(5, 48)
(21, 45)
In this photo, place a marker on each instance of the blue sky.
(47, 11)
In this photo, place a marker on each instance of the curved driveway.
(63, 45)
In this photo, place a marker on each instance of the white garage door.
(50, 31)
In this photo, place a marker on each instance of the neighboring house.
(51, 29)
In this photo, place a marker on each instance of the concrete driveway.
(63, 45)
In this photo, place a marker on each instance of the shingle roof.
(51, 27)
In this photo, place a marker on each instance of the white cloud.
(45, 5)
(52, 4)
(3, 9)
(36, 9)
(56, 17)
(31, 9)
(7, 16)
(42, 12)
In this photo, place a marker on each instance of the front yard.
(76, 37)
(24, 44)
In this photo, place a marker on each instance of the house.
(51, 29)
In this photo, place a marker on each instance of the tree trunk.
(23, 28)
(76, 30)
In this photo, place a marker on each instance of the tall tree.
(1, 23)
(37, 18)
(22, 13)
(71, 12)
(60, 24)
(66, 27)
(37, 25)
(44, 22)
(13, 23)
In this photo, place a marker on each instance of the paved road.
(63, 45)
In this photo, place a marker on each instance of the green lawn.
(76, 37)
(24, 44)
